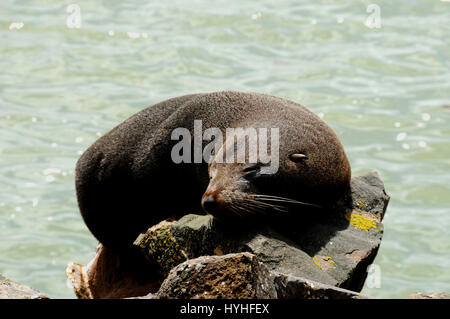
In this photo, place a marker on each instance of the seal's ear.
(297, 157)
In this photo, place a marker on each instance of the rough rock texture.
(291, 287)
(160, 248)
(220, 277)
(369, 195)
(335, 249)
(12, 290)
(330, 249)
(241, 276)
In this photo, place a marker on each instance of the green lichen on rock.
(161, 248)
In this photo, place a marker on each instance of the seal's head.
(300, 174)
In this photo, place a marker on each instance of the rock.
(421, 295)
(111, 275)
(335, 250)
(77, 275)
(328, 250)
(160, 248)
(290, 287)
(368, 195)
(230, 276)
(241, 276)
(12, 290)
(196, 234)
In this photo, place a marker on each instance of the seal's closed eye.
(252, 172)
(253, 168)
(297, 157)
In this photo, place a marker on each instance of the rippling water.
(386, 91)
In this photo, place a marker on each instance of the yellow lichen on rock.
(316, 261)
(324, 262)
(360, 221)
(362, 205)
(330, 261)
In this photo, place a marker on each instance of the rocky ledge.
(12, 290)
(312, 256)
(309, 256)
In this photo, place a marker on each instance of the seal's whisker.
(255, 204)
(235, 210)
(260, 204)
(243, 206)
(275, 207)
(282, 199)
(239, 201)
(249, 208)
(250, 204)
(257, 196)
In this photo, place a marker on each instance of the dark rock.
(196, 234)
(290, 287)
(282, 255)
(332, 249)
(12, 290)
(369, 195)
(335, 250)
(342, 261)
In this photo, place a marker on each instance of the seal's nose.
(209, 203)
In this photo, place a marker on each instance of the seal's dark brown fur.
(126, 181)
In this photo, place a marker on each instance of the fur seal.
(127, 181)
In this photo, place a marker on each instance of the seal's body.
(127, 181)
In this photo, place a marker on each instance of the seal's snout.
(216, 204)
(209, 203)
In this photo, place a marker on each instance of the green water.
(384, 90)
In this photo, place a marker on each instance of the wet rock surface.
(331, 250)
